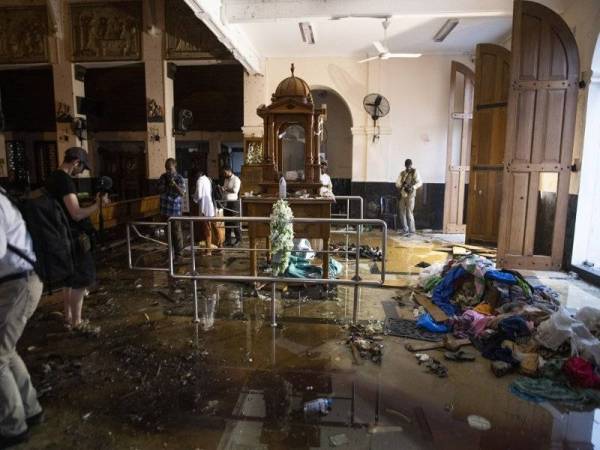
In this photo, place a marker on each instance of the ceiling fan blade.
(368, 59)
(380, 47)
(402, 55)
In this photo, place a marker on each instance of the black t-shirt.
(59, 184)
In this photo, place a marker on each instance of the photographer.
(171, 188)
(60, 185)
(407, 183)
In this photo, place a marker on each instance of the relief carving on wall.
(187, 37)
(23, 35)
(106, 31)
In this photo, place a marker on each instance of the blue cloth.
(442, 293)
(502, 277)
(171, 201)
(426, 321)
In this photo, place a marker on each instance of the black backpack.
(50, 233)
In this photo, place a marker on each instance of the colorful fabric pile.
(519, 327)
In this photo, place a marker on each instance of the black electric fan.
(377, 106)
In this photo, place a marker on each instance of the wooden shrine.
(290, 146)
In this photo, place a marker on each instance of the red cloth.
(581, 373)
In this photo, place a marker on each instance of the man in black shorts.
(60, 185)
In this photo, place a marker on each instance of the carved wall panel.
(23, 35)
(188, 37)
(106, 31)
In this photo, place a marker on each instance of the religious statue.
(155, 112)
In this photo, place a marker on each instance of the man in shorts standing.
(60, 185)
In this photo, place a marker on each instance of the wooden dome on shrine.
(292, 136)
(293, 88)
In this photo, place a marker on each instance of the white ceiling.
(272, 25)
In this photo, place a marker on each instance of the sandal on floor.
(459, 356)
(86, 329)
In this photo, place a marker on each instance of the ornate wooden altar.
(291, 106)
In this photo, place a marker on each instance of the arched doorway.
(336, 146)
(586, 250)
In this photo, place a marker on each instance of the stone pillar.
(66, 91)
(160, 142)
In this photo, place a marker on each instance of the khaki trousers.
(18, 398)
(407, 219)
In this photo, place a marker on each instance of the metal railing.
(346, 231)
(356, 281)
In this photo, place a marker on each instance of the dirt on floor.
(154, 379)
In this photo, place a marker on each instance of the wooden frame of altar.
(291, 104)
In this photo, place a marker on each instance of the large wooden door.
(492, 77)
(459, 146)
(539, 139)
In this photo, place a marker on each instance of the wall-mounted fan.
(377, 106)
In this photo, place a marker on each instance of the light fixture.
(445, 30)
(306, 30)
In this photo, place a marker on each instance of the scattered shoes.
(459, 356)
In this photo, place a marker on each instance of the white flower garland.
(282, 236)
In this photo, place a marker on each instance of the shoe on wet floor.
(11, 441)
(36, 419)
(459, 356)
(86, 329)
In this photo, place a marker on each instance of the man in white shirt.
(20, 291)
(231, 189)
(407, 183)
(206, 207)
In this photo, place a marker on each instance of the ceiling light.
(306, 30)
(445, 30)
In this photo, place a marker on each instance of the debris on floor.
(516, 323)
(365, 342)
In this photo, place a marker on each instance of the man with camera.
(60, 185)
(407, 183)
(171, 188)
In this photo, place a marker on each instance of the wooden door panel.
(539, 138)
(488, 141)
(458, 146)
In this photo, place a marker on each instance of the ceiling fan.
(382, 49)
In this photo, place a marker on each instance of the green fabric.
(432, 282)
(554, 386)
(300, 267)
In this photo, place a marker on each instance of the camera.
(104, 185)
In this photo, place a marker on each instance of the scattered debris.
(365, 342)
(317, 407)
(338, 440)
(479, 423)
(459, 356)
(432, 364)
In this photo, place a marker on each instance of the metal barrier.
(356, 281)
(346, 231)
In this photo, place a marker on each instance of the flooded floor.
(154, 379)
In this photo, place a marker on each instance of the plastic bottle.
(282, 187)
(318, 406)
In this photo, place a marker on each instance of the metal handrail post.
(357, 277)
(170, 250)
(129, 254)
(273, 305)
(196, 318)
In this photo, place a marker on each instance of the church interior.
(354, 224)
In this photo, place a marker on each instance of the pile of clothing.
(520, 327)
